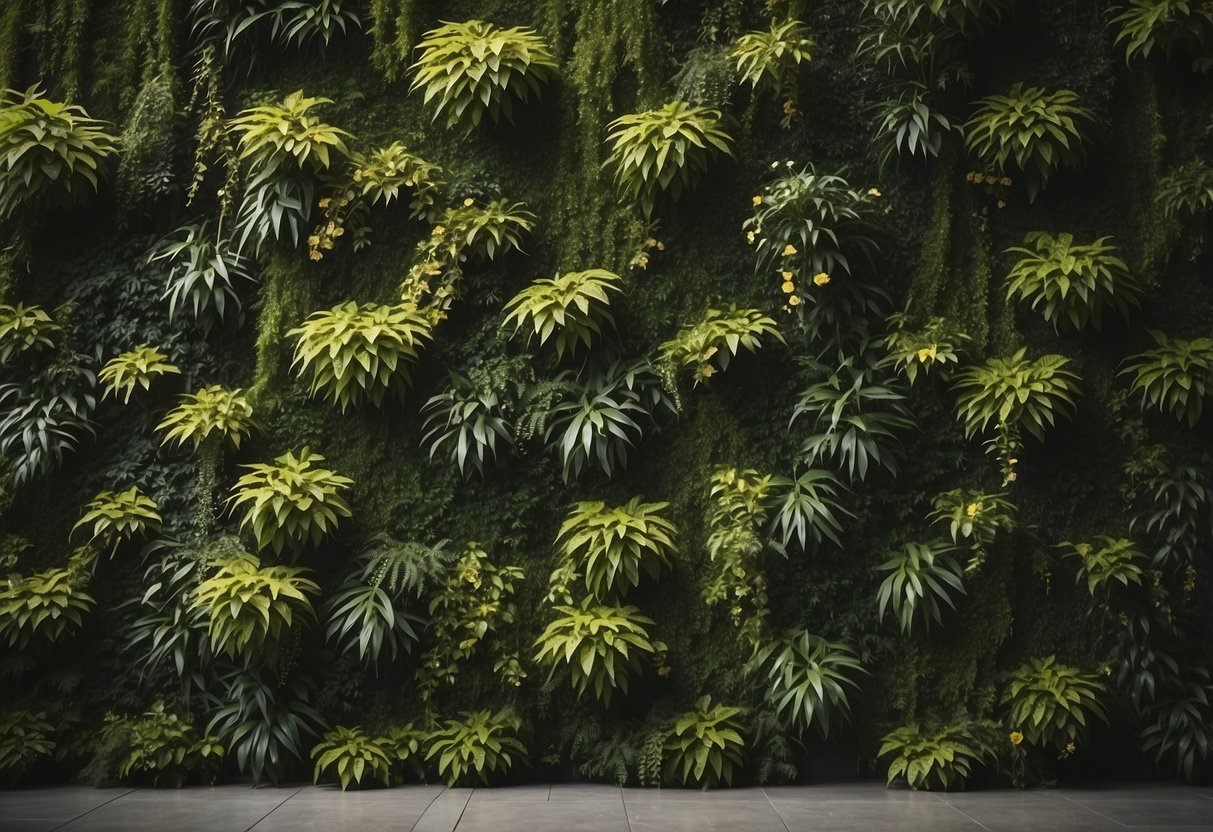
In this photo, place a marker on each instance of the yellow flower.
(794, 300)
(1013, 461)
(1071, 748)
(315, 255)
(756, 201)
(788, 287)
(1005, 181)
(789, 250)
(874, 192)
(979, 178)
(326, 202)
(650, 243)
(439, 230)
(1002, 203)
(786, 275)
(1016, 738)
(660, 246)
(1011, 477)
(821, 279)
(927, 353)
(469, 202)
(313, 240)
(749, 237)
(973, 509)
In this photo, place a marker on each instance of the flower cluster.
(641, 260)
(993, 185)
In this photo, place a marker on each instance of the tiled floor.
(582, 808)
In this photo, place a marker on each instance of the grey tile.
(588, 815)
(707, 797)
(835, 792)
(27, 810)
(582, 791)
(874, 816)
(444, 813)
(325, 809)
(1000, 811)
(510, 794)
(1134, 811)
(216, 809)
(726, 811)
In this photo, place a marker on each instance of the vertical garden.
(644, 391)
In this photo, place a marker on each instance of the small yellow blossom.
(439, 230)
(660, 246)
(325, 203)
(1016, 738)
(663, 671)
(1071, 748)
(794, 300)
(756, 201)
(313, 240)
(315, 255)
(973, 509)
(1002, 203)
(650, 243)
(358, 175)
(979, 178)
(874, 192)
(789, 250)
(749, 237)
(788, 287)
(787, 275)
(1013, 461)
(1005, 181)
(927, 353)
(469, 202)
(1011, 477)
(821, 279)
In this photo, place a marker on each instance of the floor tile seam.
(280, 804)
(95, 808)
(624, 803)
(959, 811)
(1094, 811)
(434, 800)
(775, 809)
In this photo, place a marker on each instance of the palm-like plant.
(52, 151)
(664, 150)
(45, 417)
(473, 69)
(910, 126)
(1052, 703)
(1029, 130)
(354, 351)
(203, 269)
(291, 502)
(770, 59)
(602, 646)
(807, 508)
(1015, 393)
(119, 515)
(1175, 376)
(920, 576)
(464, 424)
(1071, 282)
(1107, 560)
(806, 679)
(300, 22)
(481, 745)
(211, 411)
(132, 369)
(708, 345)
(705, 746)
(571, 306)
(24, 328)
(612, 546)
(249, 605)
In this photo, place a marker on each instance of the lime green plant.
(611, 546)
(705, 746)
(1186, 190)
(48, 604)
(1107, 560)
(202, 273)
(291, 502)
(601, 645)
(1052, 704)
(480, 746)
(1174, 377)
(807, 508)
(116, 516)
(1029, 130)
(806, 679)
(771, 60)
(1144, 26)
(974, 519)
(664, 150)
(472, 69)
(572, 306)
(25, 739)
(24, 328)
(708, 345)
(249, 605)
(357, 351)
(937, 757)
(1015, 393)
(163, 746)
(381, 174)
(913, 349)
(1070, 282)
(352, 755)
(920, 577)
(212, 412)
(739, 509)
(52, 151)
(132, 369)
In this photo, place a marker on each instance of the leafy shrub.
(602, 646)
(134, 368)
(572, 307)
(806, 508)
(1073, 283)
(381, 174)
(353, 755)
(45, 418)
(206, 413)
(806, 679)
(909, 126)
(475, 69)
(484, 744)
(937, 342)
(720, 335)
(366, 611)
(770, 60)
(464, 423)
(1146, 25)
(1186, 190)
(1030, 130)
(354, 351)
(48, 604)
(52, 151)
(1173, 377)
(24, 328)
(403, 745)
(290, 502)
(1052, 703)
(163, 746)
(664, 150)
(1116, 559)
(25, 739)
(250, 604)
(938, 757)
(705, 746)
(974, 518)
(119, 515)
(169, 628)
(1180, 733)
(920, 577)
(611, 546)
(300, 22)
(739, 509)
(853, 419)
(202, 273)
(1015, 393)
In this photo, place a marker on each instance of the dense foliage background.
(724, 516)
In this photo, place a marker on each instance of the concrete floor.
(581, 808)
